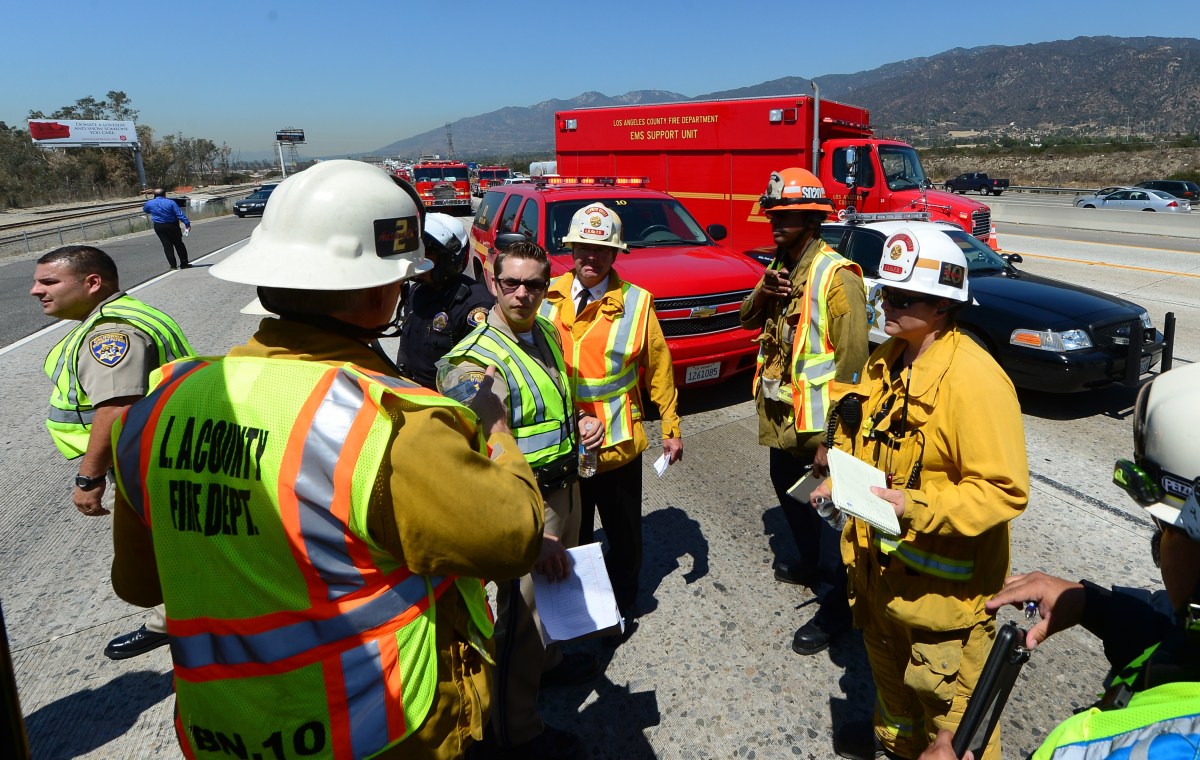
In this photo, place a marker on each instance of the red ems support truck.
(716, 156)
(443, 185)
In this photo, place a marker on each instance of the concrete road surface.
(708, 672)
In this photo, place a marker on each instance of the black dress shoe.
(815, 636)
(575, 668)
(793, 573)
(132, 644)
(857, 741)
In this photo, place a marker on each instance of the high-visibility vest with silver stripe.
(603, 363)
(540, 412)
(291, 627)
(71, 412)
(812, 366)
(1159, 723)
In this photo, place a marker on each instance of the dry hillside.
(1069, 170)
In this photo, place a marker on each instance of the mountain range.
(1087, 86)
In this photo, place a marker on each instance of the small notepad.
(851, 480)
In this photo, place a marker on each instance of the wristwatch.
(86, 483)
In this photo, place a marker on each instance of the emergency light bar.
(624, 181)
(884, 216)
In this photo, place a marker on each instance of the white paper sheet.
(851, 480)
(582, 603)
(661, 464)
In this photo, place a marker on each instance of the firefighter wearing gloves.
(439, 306)
(811, 306)
(941, 420)
(1151, 697)
(611, 337)
(307, 515)
(526, 351)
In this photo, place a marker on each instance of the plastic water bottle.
(454, 382)
(187, 231)
(587, 459)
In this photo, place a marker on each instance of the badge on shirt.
(441, 321)
(109, 348)
(477, 316)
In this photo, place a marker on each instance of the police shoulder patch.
(109, 348)
(477, 316)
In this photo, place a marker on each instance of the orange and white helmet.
(794, 189)
(598, 224)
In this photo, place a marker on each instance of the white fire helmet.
(340, 225)
(924, 260)
(598, 224)
(1165, 474)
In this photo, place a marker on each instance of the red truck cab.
(491, 175)
(697, 284)
(443, 185)
(716, 156)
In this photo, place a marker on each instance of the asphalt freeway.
(709, 671)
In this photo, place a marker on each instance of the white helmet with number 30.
(340, 225)
(924, 260)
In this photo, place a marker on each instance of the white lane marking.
(136, 288)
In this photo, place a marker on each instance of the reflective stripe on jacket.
(71, 412)
(603, 363)
(812, 352)
(962, 467)
(540, 413)
(290, 625)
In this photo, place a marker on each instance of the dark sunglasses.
(898, 299)
(510, 285)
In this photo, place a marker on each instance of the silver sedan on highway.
(1137, 199)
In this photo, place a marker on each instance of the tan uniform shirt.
(848, 330)
(440, 507)
(130, 375)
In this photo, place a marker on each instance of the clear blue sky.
(359, 75)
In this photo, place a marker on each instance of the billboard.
(91, 133)
(290, 135)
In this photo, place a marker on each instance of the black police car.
(254, 204)
(1046, 334)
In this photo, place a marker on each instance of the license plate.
(1144, 365)
(702, 372)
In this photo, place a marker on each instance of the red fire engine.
(443, 185)
(491, 175)
(716, 156)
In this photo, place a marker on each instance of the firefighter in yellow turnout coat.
(942, 420)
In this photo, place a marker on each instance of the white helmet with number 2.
(924, 260)
(340, 225)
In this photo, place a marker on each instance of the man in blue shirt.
(166, 216)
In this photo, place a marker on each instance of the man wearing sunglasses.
(614, 345)
(811, 306)
(1152, 640)
(531, 378)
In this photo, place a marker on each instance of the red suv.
(698, 286)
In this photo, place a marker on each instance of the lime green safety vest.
(293, 632)
(71, 412)
(1160, 724)
(540, 412)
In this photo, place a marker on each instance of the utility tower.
(449, 141)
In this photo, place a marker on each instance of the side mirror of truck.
(717, 231)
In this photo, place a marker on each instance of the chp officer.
(442, 305)
(101, 367)
(531, 376)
